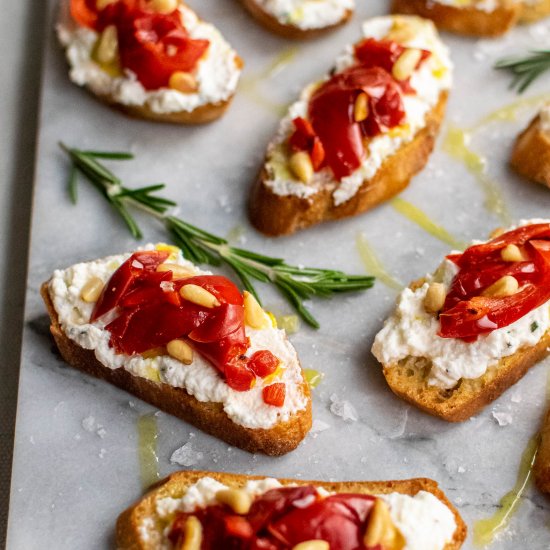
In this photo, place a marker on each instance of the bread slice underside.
(275, 214)
(542, 464)
(129, 530)
(288, 30)
(207, 416)
(531, 154)
(463, 20)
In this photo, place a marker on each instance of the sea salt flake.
(342, 408)
(502, 418)
(319, 426)
(89, 424)
(186, 455)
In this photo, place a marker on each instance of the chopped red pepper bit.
(275, 394)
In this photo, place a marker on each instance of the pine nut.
(254, 315)
(512, 253)
(102, 4)
(180, 350)
(107, 47)
(198, 295)
(153, 352)
(361, 107)
(92, 290)
(178, 271)
(163, 6)
(183, 82)
(237, 499)
(192, 534)
(496, 232)
(401, 32)
(312, 545)
(301, 166)
(381, 531)
(505, 286)
(435, 298)
(406, 64)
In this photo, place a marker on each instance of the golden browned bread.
(207, 416)
(275, 215)
(542, 464)
(293, 32)
(531, 154)
(534, 11)
(129, 534)
(463, 20)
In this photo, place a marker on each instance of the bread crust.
(542, 463)
(531, 154)
(292, 32)
(277, 215)
(466, 20)
(534, 12)
(209, 417)
(129, 522)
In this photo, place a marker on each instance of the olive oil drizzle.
(147, 449)
(486, 529)
(373, 265)
(420, 218)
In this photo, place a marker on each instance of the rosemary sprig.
(296, 284)
(525, 69)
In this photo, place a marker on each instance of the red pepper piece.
(275, 394)
(263, 363)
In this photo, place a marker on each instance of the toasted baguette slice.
(289, 30)
(131, 534)
(409, 379)
(542, 464)
(117, 88)
(464, 20)
(281, 204)
(531, 153)
(534, 11)
(274, 433)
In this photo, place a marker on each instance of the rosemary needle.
(526, 69)
(296, 284)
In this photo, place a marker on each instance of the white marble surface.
(69, 483)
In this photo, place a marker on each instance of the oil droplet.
(290, 323)
(373, 265)
(456, 145)
(235, 234)
(281, 61)
(147, 449)
(420, 218)
(486, 529)
(313, 377)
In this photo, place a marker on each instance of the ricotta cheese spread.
(411, 331)
(544, 121)
(200, 379)
(424, 521)
(217, 73)
(430, 81)
(307, 14)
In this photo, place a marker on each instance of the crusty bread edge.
(128, 523)
(209, 417)
(277, 215)
(531, 154)
(467, 20)
(533, 12)
(292, 32)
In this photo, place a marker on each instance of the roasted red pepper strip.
(466, 314)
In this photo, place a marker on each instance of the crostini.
(300, 19)
(186, 341)
(531, 152)
(152, 59)
(215, 510)
(542, 463)
(533, 10)
(358, 135)
(463, 335)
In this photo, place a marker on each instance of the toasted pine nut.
(192, 534)
(496, 232)
(92, 290)
(505, 286)
(183, 82)
(406, 63)
(435, 298)
(401, 31)
(381, 531)
(301, 166)
(102, 4)
(180, 350)
(153, 352)
(361, 107)
(163, 6)
(107, 47)
(198, 295)
(312, 545)
(237, 499)
(178, 271)
(254, 315)
(512, 253)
